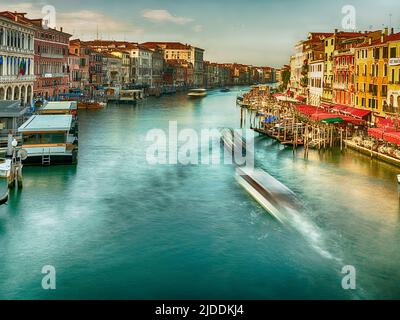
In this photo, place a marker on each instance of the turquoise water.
(116, 227)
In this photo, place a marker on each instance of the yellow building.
(393, 98)
(371, 80)
(327, 92)
(331, 44)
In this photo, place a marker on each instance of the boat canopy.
(59, 106)
(47, 123)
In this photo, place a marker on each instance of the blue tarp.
(270, 119)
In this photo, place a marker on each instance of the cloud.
(81, 23)
(87, 22)
(198, 28)
(162, 15)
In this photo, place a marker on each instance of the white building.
(296, 66)
(16, 61)
(315, 82)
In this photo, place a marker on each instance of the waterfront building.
(16, 60)
(332, 43)
(315, 81)
(189, 53)
(179, 73)
(112, 69)
(343, 84)
(157, 66)
(51, 57)
(125, 64)
(224, 75)
(211, 74)
(80, 49)
(297, 62)
(75, 75)
(95, 68)
(371, 60)
(393, 100)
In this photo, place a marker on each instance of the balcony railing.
(390, 109)
(4, 79)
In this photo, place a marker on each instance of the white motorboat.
(197, 93)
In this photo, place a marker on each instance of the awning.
(360, 113)
(323, 115)
(276, 95)
(387, 122)
(376, 132)
(306, 109)
(300, 98)
(333, 120)
(393, 137)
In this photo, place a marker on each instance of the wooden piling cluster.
(284, 123)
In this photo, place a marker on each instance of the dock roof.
(48, 123)
(11, 108)
(60, 105)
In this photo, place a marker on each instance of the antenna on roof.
(97, 32)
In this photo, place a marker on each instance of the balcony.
(16, 50)
(390, 109)
(340, 86)
(6, 79)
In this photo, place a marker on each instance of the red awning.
(376, 132)
(360, 113)
(306, 109)
(391, 123)
(393, 137)
(352, 120)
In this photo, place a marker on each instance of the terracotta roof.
(168, 45)
(394, 37)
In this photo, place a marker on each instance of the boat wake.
(282, 204)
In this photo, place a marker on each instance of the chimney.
(369, 40)
(336, 31)
(392, 31)
(386, 31)
(61, 29)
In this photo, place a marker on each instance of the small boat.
(271, 194)
(90, 105)
(398, 178)
(5, 168)
(225, 90)
(4, 197)
(197, 93)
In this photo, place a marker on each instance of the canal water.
(115, 226)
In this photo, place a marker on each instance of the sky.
(256, 32)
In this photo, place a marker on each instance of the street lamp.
(14, 143)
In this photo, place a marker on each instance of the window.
(385, 69)
(393, 52)
(385, 53)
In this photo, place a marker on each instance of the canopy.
(333, 120)
(376, 132)
(393, 137)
